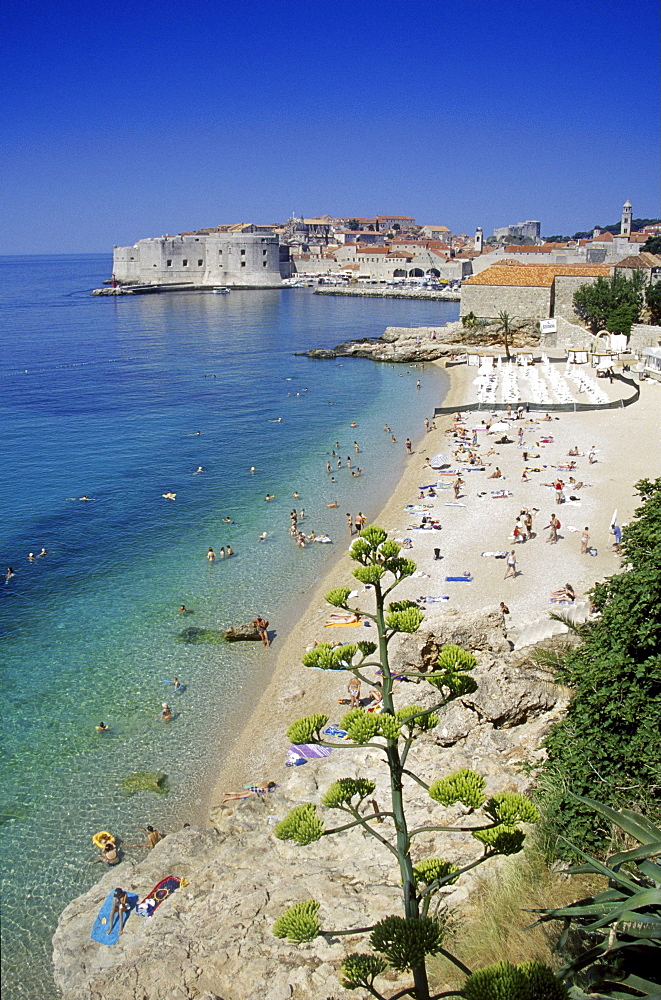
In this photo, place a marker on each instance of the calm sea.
(121, 400)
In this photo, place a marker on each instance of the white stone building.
(236, 259)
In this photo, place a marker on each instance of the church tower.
(478, 240)
(625, 222)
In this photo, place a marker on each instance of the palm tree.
(505, 327)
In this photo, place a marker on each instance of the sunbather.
(247, 793)
(566, 593)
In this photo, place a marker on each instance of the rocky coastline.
(212, 939)
(405, 345)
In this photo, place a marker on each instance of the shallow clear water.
(105, 398)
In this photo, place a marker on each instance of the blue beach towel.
(459, 579)
(101, 924)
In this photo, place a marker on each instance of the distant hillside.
(614, 228)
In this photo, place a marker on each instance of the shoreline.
(293, 688)
(258, 752)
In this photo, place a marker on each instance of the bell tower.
(625, 222)
(477, 244)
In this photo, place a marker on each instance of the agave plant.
(621, 925)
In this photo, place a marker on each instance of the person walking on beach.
(361, 521)
(511, 565)
(616, 532)
(409, 446)
(427, 424)
(350, 524)
(458, 483)
(553, 525)
(262, 626)
(353, 690)
(585, 541)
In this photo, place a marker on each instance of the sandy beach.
(627, 446)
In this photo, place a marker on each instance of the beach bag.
(558, 525)
(592, 551)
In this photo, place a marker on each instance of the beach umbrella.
(439, 461)
(500, 427)
(614, 518)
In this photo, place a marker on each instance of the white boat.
(221, 291)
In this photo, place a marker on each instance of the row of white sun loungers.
(543, 384)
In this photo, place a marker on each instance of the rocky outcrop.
(212, 940)
(242, 633)
(401, 345)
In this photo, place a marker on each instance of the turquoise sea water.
(105, 398)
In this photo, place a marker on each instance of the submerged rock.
(193, 634)
(146, 781)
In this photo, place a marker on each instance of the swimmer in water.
(9, 574)
(169, 495)
(42, 553)
(252, 469)
(198, 470)
(102, 728)
(269, 496)
(182, 610)
(275, 420)
(30, 556)
(353, 424)
(296, 495)
(176, 683)
(166, 712)
(229, 551)
(263, 537)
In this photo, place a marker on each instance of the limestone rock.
(238, 633)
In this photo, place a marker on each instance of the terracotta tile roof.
(638, 238)
(640, 260)
(401, 253)
(536, 275)
(603, 238)
(371, 249)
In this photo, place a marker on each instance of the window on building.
(264, 252)
(184, 262)
(200, 262)
(243, 263)
(243, 253)
(264, 263)
(168, 263)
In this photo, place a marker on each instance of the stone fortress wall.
(234, 259)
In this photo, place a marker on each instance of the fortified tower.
(625, 222)
(477, 244)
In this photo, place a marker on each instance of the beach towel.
(160, 892)
(433, 600)
(309, 750)
(474, 468)
(557, 600)
(335, 731)
(102, 922)
(497, 555)
(342, 624)
(459, 579)
(455, 504)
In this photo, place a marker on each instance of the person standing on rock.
(262, 625)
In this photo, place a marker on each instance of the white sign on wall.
(548, 326)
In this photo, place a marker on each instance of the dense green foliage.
(609, 745)
(620, 928)
(612, 304)
(653, 298)
(652, 245)
(504, 981)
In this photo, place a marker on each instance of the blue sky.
(123, 120)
